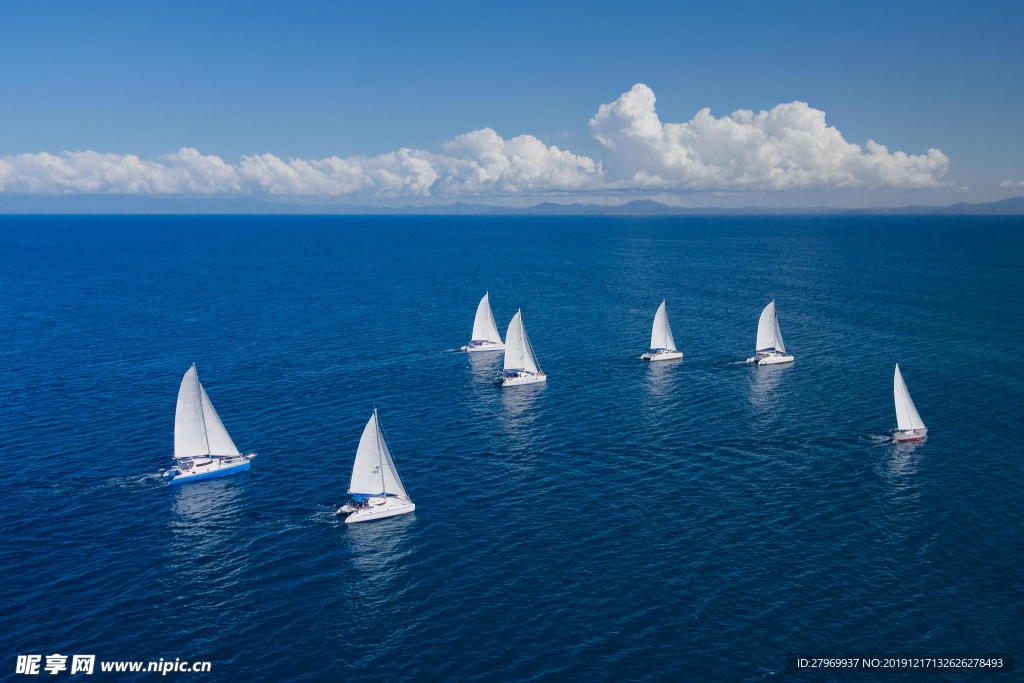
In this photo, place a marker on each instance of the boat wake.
(325, 513)
(149, 480)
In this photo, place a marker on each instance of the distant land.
(149, 204)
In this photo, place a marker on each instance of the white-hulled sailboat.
(909, 426)
(663, 345)
(520, 363)
(769, 349)
(485, 331)
(375, 490)
(202, 446)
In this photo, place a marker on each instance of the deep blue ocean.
(693, 520)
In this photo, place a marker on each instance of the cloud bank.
(787, 147)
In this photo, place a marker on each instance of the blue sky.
(313, 80)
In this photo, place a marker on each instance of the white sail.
(518, 351)
(189, 430)
(907, 416)
(769, 336)
(217, 436)
(373, 471)
(661, 332)
(198, 429)
(484, 327)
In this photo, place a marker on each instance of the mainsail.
(769, 336)
(661, 333)
(198, 429)
(484, 328)
(518, 352)
(373, 471)
(907, 416)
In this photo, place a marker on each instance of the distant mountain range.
(148, 204)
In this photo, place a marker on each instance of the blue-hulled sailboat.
(203, 449)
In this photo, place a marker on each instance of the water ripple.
(623, 520)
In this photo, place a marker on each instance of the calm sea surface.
(625, 521)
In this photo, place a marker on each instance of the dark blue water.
(625, 521)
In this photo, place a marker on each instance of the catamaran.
(375, 490)
(485, 331)
(663, 345)
(769, 349)
(520, 363)
(202, 446)
(909, 426)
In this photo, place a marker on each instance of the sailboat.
(202, 446)
(485, 331)
(769, 349)
(663, 345)
(909, 426)
(375, 490)
(520, 363)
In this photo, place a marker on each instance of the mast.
(202, 413)
(380, 454)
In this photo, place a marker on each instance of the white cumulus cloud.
(1012, 184)
(185, 171)
(789, 146)
(481, 162)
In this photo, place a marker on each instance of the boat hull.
(489, 346)
(904, 435)
(390, 508)
(524, 379)
(662, 355)
(771, 358)
(210, 473)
